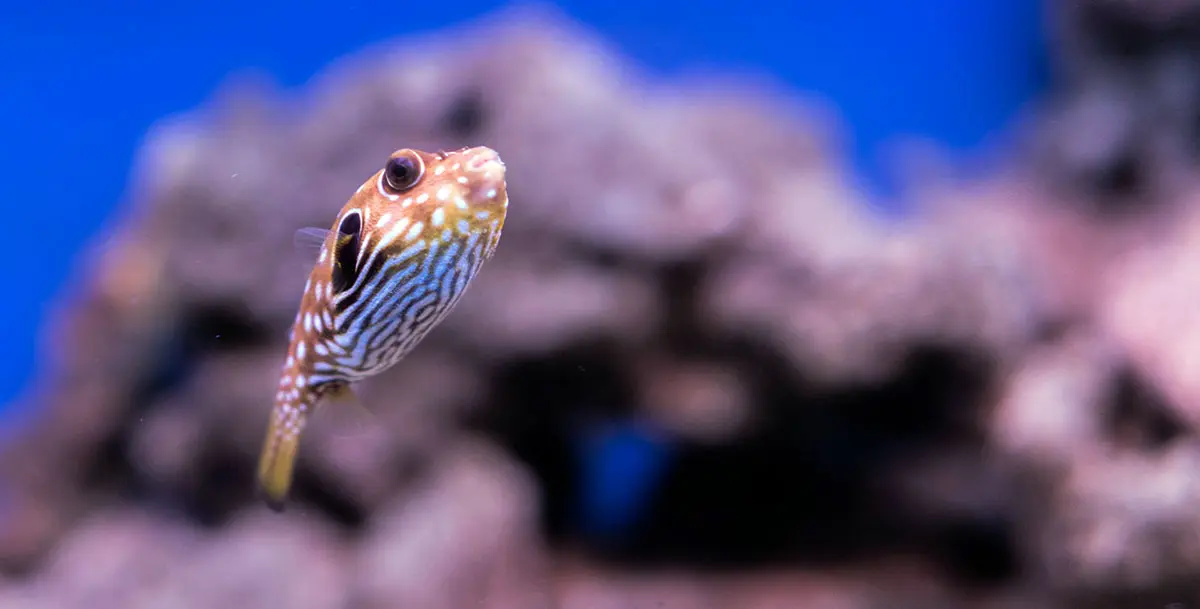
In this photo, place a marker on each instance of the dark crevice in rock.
(801, 486)
(544, 403)
(467, 116)
(219, 327)
(1138, 415)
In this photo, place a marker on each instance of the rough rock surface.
(989, 405)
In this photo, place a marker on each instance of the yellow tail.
(277, 461)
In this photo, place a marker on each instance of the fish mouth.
(486, 171)
(483, 159)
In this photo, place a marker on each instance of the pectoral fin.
(344, 414)
(308, 241)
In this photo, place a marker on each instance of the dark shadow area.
(220, 486)
(978, 552)
(467, 115)
(1176, 595)
(1138, 416)
(805, 485)
(550, 398)
(222, 327)
(309, 490)
(205, 330)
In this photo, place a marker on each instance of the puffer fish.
(398, 258)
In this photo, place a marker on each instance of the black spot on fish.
(345, 252)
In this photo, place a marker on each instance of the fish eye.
(402, 172)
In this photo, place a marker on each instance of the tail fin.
(277, 461)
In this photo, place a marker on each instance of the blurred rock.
(698, 400)
(31, 524)
(137, 560)
(1127, 522)
(464, 537)
(1118, 130)
(887, 585)
(516, 309)
(1150, 308)
(988, 404)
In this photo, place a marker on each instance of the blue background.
(82, 81)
